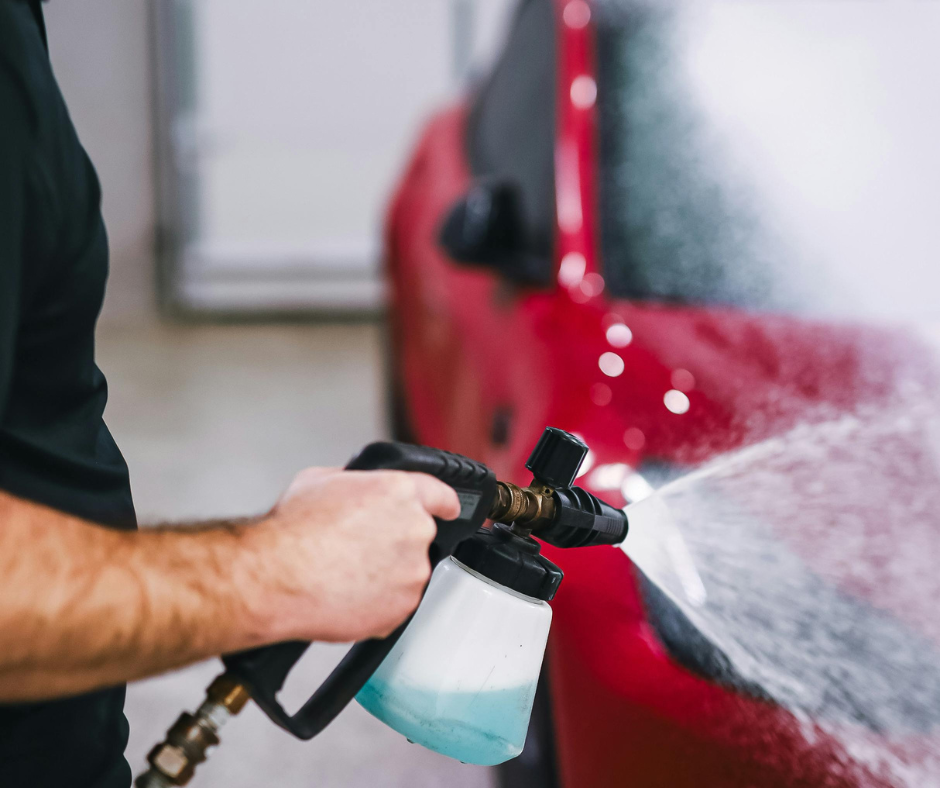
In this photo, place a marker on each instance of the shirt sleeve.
(14, 149)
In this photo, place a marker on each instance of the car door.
(458, 325)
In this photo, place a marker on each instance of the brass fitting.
(173, 762)
(228, 693)
(525, 507)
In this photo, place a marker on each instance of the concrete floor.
(214, 421)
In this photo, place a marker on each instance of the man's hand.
(347, 552)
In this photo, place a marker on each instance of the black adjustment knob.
(556, 458)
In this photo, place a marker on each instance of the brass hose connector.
(173, 762)
(526, 507)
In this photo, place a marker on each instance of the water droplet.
(601, 394)
(583, 91)
(634, 439)
(611, 364)
(676, 402)
(683, 380)
(577, 14)
(571, 270)
(619, 335)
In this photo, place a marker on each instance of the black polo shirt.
(54, 446)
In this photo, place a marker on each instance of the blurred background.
(247, 151)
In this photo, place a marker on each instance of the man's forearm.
(82, 606)
(342, 556)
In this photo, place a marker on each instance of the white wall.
(101, 55)
(305, 114)
(308, 110)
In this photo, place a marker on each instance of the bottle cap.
(510, 560)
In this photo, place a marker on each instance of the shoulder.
(23, 62)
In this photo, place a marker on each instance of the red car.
(524, 294)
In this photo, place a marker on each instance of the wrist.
(263, 584)
(213, 577)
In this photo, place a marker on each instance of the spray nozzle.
(550, 507)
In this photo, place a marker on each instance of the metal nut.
(170, 760)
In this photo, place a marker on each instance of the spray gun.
(459, 676)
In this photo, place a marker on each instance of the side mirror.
(485, 228)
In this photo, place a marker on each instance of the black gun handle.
(264, 670)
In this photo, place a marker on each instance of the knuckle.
(380, 480)
(310, 475)
(409, 485)
(396, 483)
(424, 529)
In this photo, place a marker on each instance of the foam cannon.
(458, 696)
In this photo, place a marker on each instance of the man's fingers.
(437, 498)
(307, 477)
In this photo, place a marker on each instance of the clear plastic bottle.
(462, 678)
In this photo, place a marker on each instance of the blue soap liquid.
(484, 728)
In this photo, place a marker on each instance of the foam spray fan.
(423, 680)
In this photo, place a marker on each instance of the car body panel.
(474, 350)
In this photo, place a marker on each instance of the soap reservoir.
(461, 679)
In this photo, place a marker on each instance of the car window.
(774, 155)
(668, 222)
(511, 129)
